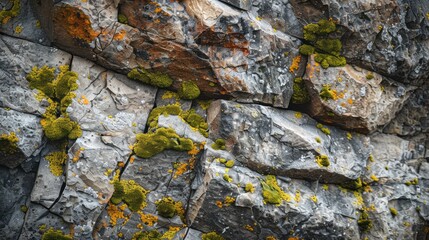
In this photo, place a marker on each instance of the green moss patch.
(6, 15)
(8, 143)
(300, 94)
(211, 236)
(57, 89)
(189, 90)
(150, 144)
(219, 144)
(152, 78)
(52, 234)
(323, 44)
(129, 192)
(271, 191)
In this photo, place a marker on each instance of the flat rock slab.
(360, 100)
(29, 132)
(282, 142)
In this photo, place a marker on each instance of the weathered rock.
(242, 4)
(413, 117)
(307, 212)
(110, 109)
(285, 143)
(16, 61)
(353, 98)
(27, 129)
(47, 186)
(25, 25)
(225, 51)
(15, 188)
(39, 219)
(392, 42)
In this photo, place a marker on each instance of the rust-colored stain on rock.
(75, 22)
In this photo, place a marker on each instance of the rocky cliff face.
(214, 119)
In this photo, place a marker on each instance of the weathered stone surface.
(279, 142)
(15, 188)
(17, 58)
(25, 25)
(331, 216)
(358, 99)
(393, 41)
(242, 4)
(47, 187)
(28, 131)
(225, 51)
(413, 117)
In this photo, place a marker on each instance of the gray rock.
(28, 131)
(278, 142)
(242, 4)
(357, 103)
(15, 188)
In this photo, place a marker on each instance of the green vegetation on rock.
(325, 47)
(189, 91)
(58, 91)
(211, 236)
(52, 234)
(8, 143)
(219, 144)
(152, 78)
(300, 94)
(149, 235)
(6, 15)
(122, 19)
(166, 207)
(129, 192)
(150, 144)
(364, 222)
(271, 191)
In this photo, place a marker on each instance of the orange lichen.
(350, 101)
(114, 213)
(83, 100)
(295, 64)
(75, 22)
(132, 159)
(120, 35)
(180, 169)
(249, 228)
(219, 204)
(148, 219)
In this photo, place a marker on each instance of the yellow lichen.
(349, 136)
(18, 29)
(271, 191)
(115, 213)
(172, 231)
(314, 198)
(249, 228)
(56, 162)
(8, 143)
(180, 168)
(148, 219)
(298, 115)
(228, 200)
(295, 64)
(249, 187)
(374, 178)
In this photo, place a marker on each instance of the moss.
(211, 236)
(300, 94)
(166, 207)
(6, 15)
(149, 235)
(219, 144)
(150, 144)
(122, 19)
(323, 160)
(61, 128)
(188, 90)
(229, 164)
(369, 76)
(249, 187)
(58, 91)
(364, 222)
(8, 143)
(56, 162)
(415, 181)
(393, 211)
(349, 135)
(196, 121)
(23, 208)
(152, 78)
(129, 192)
(306, 49)
(353, 185)
(271, 191)
(324, 129)
(327, 93)
(172, 109)
(52, 234)
(318, 140)
(327, 60)
(331, 46)
(227, 178)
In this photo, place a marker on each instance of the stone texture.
(242, 4)
(278, 142)
(29, 132)
(358, 102)
(15, 188)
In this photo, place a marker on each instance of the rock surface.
(239, 161)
